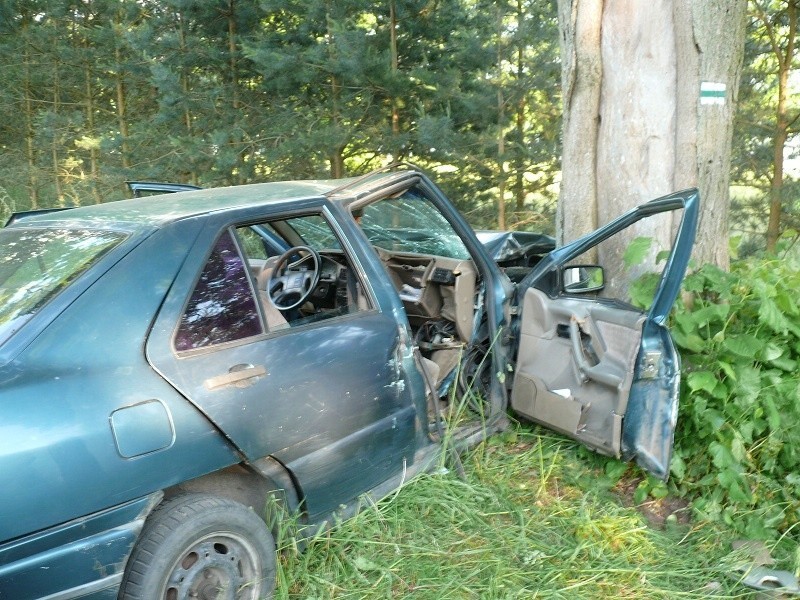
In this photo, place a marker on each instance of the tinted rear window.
(36, 264)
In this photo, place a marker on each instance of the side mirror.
(582, 279)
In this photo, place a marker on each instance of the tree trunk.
(519, 163)
(94, 158)
(395, 64)
(232, 62)
(336, 156)
(501, 117)
(710, 40)
(336, 160)
(54, 144)
(784, 57)
(187, 114)
(122, 116)
(634, 128)
(581, 78)
(30, 148)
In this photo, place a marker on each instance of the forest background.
(97, 92)
(229, 92)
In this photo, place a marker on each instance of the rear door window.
(222, 307)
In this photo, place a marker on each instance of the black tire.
(212, 547)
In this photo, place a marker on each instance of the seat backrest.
(275, 319)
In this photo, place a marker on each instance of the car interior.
(303, 275)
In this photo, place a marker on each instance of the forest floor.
(535, 517)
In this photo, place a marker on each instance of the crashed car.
(179, 373)
(516, 252)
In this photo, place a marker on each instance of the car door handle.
(236, 374)
(596, 372)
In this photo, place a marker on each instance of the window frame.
(229, 229)
(231, 226)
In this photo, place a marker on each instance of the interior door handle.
(596, 372)
(236, 374)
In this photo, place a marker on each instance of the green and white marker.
(712, 93)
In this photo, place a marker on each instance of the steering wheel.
(291, 283)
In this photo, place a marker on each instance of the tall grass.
(524, 523)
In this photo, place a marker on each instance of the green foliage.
(737, 446)
(98, 92)
(526, 521)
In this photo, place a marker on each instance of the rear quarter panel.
(59, 457)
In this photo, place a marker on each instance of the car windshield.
(411, 223)
(36, 264)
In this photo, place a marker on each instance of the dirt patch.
(656, 511)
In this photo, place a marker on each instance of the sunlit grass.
(524, 523)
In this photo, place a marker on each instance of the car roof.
(158, 210)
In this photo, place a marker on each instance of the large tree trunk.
(634, 126)
(30, 147)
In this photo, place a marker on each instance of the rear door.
(322, 394)
(596, 368)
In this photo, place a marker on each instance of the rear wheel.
(203, 547)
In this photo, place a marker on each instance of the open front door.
(597, 369)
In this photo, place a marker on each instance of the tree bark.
(636, 136)
(30, 148)
(710, 41)
(55, 142)
(395, 66)
(94, 167)
(122, 108)
(501, 117)
(581, 76)
(519, 166)
(188, 118)
(634, 126)
(784, 57)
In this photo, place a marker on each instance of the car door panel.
(324, 398)
(575, 366)
(599, 370)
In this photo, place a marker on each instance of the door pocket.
(532, 399)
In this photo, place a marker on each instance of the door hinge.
(651, 364)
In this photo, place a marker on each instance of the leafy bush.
(737, 447)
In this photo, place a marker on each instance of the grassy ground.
(533, 519)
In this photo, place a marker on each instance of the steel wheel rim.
(219, 566)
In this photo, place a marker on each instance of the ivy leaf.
(785, 364)
(770, 315)
(702, 380)
(732, 481)
(771, 352)
(748, 388)
(737, 449)
(714, 313)
(640, 494)
(744, 344)
(659, 490)
(728, 369)
(722, 457)
(691, 342)
(637, 251)
(773, 414)
(677, 466)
